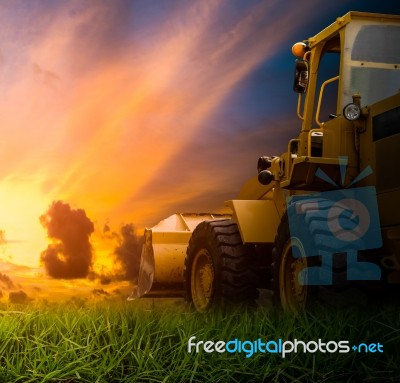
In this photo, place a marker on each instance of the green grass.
(146, 342)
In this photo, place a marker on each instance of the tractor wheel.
(289, 294)
(287, 291)
(219, 270)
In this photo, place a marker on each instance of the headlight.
(352, 112)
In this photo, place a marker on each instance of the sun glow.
(22, 202)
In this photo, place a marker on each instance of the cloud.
(118, 106)
(128, 252)
(71, 256)
(6, 281)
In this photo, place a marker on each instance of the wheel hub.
(299, 290)
(202, 280)
(293, 293)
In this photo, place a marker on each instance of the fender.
(258, 220)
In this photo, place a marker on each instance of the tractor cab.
(340, 74)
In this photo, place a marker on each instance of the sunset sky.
(134, 110)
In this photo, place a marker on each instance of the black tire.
(219, 270)
(287, 291)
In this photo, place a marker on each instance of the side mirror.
(301, 76)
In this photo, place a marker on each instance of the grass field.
(146, 341)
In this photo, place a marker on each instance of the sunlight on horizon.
(23, 203)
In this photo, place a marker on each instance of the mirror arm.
(299, 115)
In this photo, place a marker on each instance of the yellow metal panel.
(168, 262)
(252, 189)
(169, 251)
(385, 105)
(170, 237)
(257, 220)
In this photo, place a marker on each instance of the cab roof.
(342, 21)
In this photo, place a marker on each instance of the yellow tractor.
(281, 234)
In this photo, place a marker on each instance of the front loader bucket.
(163, 255)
